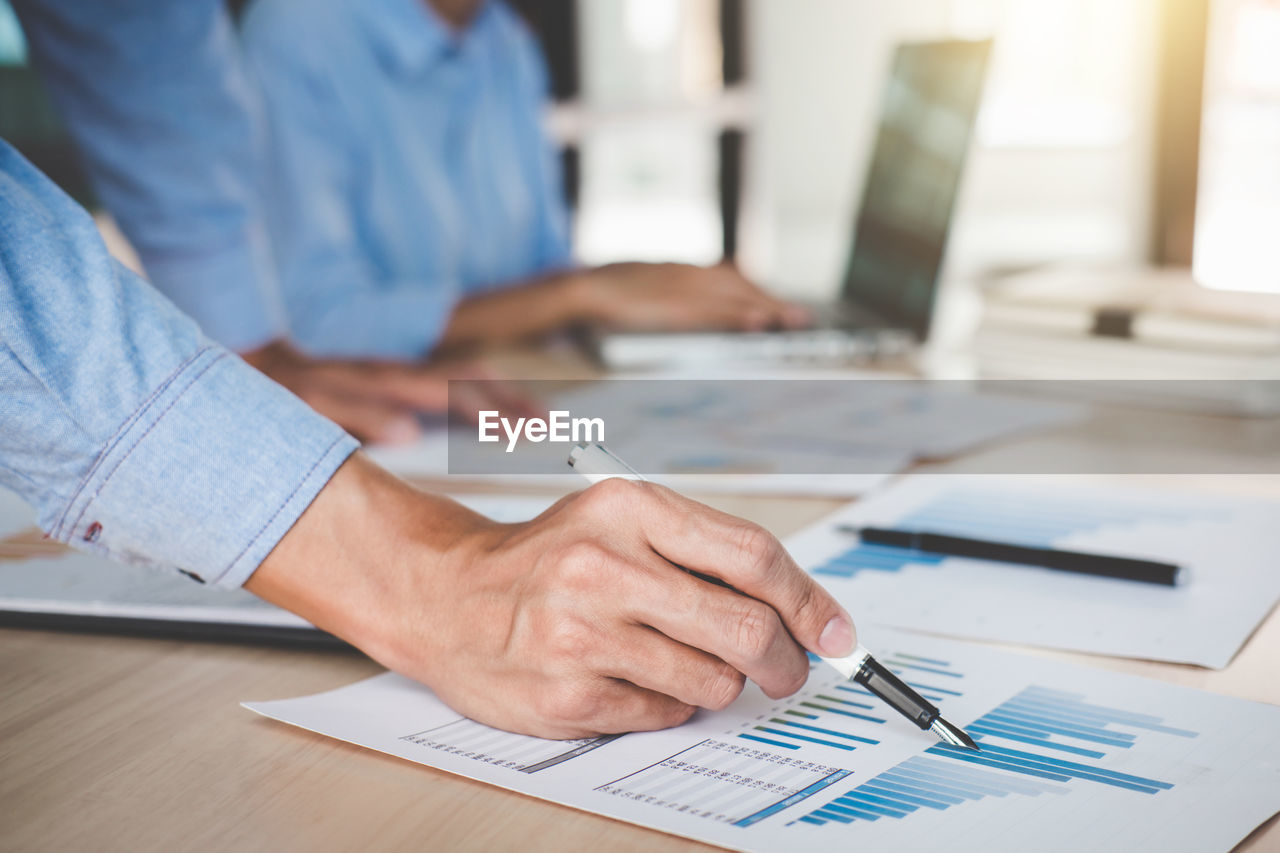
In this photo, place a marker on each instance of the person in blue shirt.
(138, 437)
(415, 199)
(176, 165)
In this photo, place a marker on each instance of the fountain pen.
(596, 462)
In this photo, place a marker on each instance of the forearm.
(349, 561)
(525, 311)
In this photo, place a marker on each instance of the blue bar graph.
(807, 738)
(771, 742)
(1004, 516)
(899, 665)
(838, 716)
(821, 730)
(1065, 722)
(842, 712)
(921, 784)
(1070, 737)
(881, 558)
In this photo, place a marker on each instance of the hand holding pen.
(597, 464)
(573, 624)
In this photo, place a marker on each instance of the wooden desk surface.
(116, 743)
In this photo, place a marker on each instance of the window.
(647, 125)
(1238, 209)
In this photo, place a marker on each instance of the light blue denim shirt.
(410, 167)
(133, 434)
(155, 96)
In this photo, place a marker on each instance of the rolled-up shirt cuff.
(208, 475)
(227, 291)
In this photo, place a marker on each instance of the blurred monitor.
(886, 304)
(900, 233)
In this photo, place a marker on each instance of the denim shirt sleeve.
(156, 99)
(369, 141)
(133, 434)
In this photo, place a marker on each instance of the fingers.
(742, 554)
(468, 399)
(743, 633)
(654, 661)
(406, 385)
(756, 308)
(463, 388)
(424, 388)
(684, 297)
(601, 705)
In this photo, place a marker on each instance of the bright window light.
(1238, 207)
(652, 24)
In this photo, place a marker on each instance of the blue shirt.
(156, 99)
(133, 434)
(409, 166)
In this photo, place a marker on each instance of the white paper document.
(1228, 547)
(798, 421)
(745, 437)
(1072, 759)
(429, 457)
(86, 585)
(15, 514)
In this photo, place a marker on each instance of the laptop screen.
(926, 122)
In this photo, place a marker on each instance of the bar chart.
(745, 779)
(726, 782)
(1005, 517)
(842, 716)
(1062, 726)
(1222, 545)
(1072, 759)
(470, 739)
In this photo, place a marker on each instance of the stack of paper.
(1228, 547)
(1072, 759)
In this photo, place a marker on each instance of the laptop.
(928, 111)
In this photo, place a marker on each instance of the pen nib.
(953, 735)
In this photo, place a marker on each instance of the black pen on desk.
(596, 462)
(1100, 565)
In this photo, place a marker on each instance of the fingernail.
(836, 640)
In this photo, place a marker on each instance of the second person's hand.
(683, 297)
(380, 401)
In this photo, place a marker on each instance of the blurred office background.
(694, 129)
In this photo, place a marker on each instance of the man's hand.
(628, 296)
(681, 297)
(577, 623)
(380, 401)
